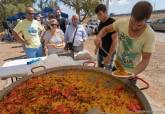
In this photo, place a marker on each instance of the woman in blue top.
(54, 39)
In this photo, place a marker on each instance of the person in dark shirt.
(109, 41)
(8, 31)
(62, 21)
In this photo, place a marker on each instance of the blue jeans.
(34, 52)
(100, 60)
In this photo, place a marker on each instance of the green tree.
(53, 4)
(83, 8)
(47, 3)
(42, 4)
(11, 7)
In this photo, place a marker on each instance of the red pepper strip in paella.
(135, 107)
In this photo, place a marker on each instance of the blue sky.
(125, 6)
(122, 6)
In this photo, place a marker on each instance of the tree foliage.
(83, 8)
(53, 4)
(47, 3)
(11, 7)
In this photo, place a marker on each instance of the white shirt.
(80, 36)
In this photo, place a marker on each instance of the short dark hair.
(51, 16)
(57, 9)
(100, 7)
(142, 10)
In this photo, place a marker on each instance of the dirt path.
(10, 51)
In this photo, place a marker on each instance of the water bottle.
(33, 61)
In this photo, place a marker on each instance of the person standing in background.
(54, 39)
(109, 41)
(62, 21)
(28, 32)
(77, 32)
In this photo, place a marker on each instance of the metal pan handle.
(87, 63)
(34, 68)
(142, 80)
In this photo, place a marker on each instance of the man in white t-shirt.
(136, 39)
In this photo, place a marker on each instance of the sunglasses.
(54, 24)
(30, 13)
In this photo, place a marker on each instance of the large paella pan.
(72, 90)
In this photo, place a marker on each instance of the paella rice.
(69, 92)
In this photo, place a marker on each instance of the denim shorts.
(34, 52)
